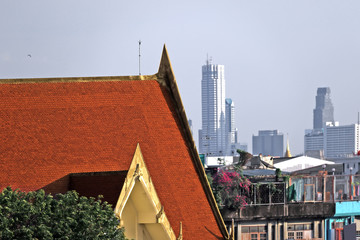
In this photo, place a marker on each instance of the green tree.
(243, 157)
(36, 215)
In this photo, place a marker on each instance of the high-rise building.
(341, 141)
(324, 109)
(230, 119)
(269, 142)
(230, 130)
(243, 146)
(314, 143)
(212, 135)
(323, 115)
(191, 126)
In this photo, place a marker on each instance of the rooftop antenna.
(139, 57)
(208, 60)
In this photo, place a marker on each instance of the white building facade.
(341, 141)
(212, 136)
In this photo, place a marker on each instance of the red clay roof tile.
(49, 130)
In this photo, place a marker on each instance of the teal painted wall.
(347, 208)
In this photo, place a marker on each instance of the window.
(253, 232)
(299, 227)
(299, 235)
(295, 235)
(307, 226)
(300, 231)
(291, 227)
(291, 235)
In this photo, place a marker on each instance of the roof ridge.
(79, 79)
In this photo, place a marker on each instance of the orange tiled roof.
(49, 129)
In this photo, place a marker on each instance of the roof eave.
(166, 78)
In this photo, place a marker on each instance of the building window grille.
(299, 235)
(299, 231)
(253, 232)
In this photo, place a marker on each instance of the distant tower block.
(190, 125)
(212, 135)
(268, 142)
(324, 110)
(231, 141)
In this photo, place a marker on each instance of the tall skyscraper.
(212, 135)
(323, 115)
(229, 120)
(269, 142)
(231, 140)
(324, 110)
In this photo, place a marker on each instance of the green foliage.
(210, 179)
(221, 161)
(286, 179)
(242, 153)
(243, 156)
(36, 215)
(277, 174)
(273, 189)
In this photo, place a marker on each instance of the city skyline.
(276, 53)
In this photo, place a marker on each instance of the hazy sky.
(276, 52)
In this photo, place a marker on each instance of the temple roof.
(53, 127)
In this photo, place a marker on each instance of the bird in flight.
(29, 55)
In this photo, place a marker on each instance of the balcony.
(299, 197)
(301, 189)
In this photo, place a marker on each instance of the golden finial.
(287, 153)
